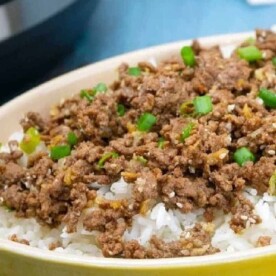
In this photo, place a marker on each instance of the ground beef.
(243, 214)
(185, 193)
(11, 173)
(146, 187)
(33, 119)
(263, 241)
(196, 242)
(187, 170)
(15, 239)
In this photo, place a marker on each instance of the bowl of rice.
(153, 162)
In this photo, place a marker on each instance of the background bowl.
(35, 34)
(17, 259)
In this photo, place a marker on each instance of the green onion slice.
(188, 56)
(100, 88)
(186, 132)
(89, 94)
(86, 94)
(161, 142)
(121, 110)
(268, 96)
(58, 152)
(107, 156)
(72, 138)
(186, 108)
(203, 105)
(141, 159)
(274, 61)
(243, 155)
(250, 53)
(134, 71)
(146, 121)
(30, 141)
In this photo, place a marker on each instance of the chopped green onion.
(188, 55)
(121, 110)
(146, 121)
(250, 53)
(268, 96)
(58, 152)
(161, 142)
(203, 105)
(141, 159)
(1, 145)
(186, 108)
(274, 61)
(243, 155)
(272, 184)
(186, 132)
(89, 94)
(107, 156)
(134, 71)
(30, 141)
(86, 94)
(72, 138)
(100, 88)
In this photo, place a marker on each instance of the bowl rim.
(90, 261)
(111, 263)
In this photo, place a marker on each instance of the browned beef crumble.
(15, 239)
(198, 172)
(263, 241)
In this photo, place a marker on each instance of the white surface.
(261, 2)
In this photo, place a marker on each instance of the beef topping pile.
(192, 132)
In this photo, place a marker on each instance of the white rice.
(166, 224)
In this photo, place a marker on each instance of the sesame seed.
(191, 169)
(179, 205)
(243, 217)
(259, 101)
(187, 235)
(172, 194)
(274, 125)
(231, 107)
(228, 139)
(271, 152)
(253, 221)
